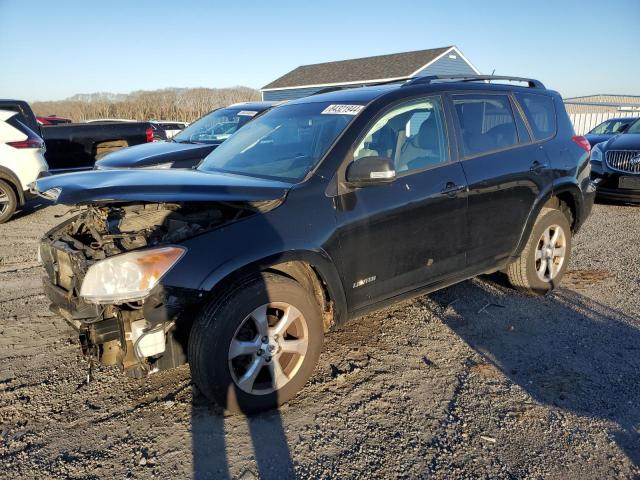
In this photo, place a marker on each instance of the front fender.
(318, 259)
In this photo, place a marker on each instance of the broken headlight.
(129, 276)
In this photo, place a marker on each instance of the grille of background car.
(627, 161)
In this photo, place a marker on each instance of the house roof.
(368, 69)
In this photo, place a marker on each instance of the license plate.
(629, 182)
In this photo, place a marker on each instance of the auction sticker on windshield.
(247, 113)
(342, 110)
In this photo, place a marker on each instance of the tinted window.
(16, 123)
(486, 123)
(412, 135)
(541, 114)
(172, 126)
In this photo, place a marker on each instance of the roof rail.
(358, 85)
(328, 89)
(532, 83)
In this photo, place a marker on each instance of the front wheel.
(544, 260)
(254, 348)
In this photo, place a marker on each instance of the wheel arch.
(312, 269)
(553, 197)
(11, 178)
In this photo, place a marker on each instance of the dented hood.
(99, 186)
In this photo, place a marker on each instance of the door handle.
(537, 167)
(452, 190)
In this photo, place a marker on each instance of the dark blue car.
(616, 166)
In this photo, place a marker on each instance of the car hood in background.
(625, 141)
(106, 186)
(182, 155)
(594, 139)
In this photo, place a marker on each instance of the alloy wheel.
(4, 201)
(550, 253)
(268, 348)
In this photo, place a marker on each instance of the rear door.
(411, 232)
(505, 170)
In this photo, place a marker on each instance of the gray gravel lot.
(474, 381)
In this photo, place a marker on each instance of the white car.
(171, 128)
(21, 162)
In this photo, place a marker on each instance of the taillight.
(149, 134)
(31, 142)
(582, 142)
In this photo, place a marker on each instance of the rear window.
(541, 114)
(16, 123)
(172, 126)
(486, 123)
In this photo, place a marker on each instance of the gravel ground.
(472, 381)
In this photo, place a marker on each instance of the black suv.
(316, 212)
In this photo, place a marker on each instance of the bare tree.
(167, 104)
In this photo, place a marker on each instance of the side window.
(486, 123)
(541, 114)
(412, 135)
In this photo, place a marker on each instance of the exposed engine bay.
(140, 336)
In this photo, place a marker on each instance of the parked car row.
(74, 147)
(314, 212)
(191, 145)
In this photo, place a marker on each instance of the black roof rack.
(328, 89)
(532, 83)
(358, 85)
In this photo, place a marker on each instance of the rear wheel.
(255, 347)
(544, 260)
(8, 201)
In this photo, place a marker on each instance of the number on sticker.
(342, 109)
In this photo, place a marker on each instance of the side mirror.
(371, 171)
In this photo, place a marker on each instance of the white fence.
(583, 122)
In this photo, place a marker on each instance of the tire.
(8, 201)
(224, 376)
(526, 273)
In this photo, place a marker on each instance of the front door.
(412, 232)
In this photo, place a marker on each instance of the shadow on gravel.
(565, 350)
(30, 207)
(212, 456)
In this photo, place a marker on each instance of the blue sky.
(52, 49)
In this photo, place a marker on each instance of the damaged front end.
(104, 269)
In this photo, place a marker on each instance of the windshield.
(216, 126)
(610, 127)
(635, 128)
(284, 143)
